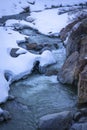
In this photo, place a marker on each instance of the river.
(36, 96)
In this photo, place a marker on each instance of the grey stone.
(84, 111)
(77, 116)
(57, 121)
(4, 116)
(79, 126)
(67, 72)
(83, 120)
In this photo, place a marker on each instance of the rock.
(74, 41)
(79, 126)
(66, 74)
(8, 75)
(84, 111)
(4, 116)
(57, 121)
(65, 31)
(30, 19)
(82, 120)
(74, 69)
(50, 72)
(42, 69)
(11, 97)
(83, 47)
(78, 18)
(26, 10)
(77, 116)
(79, 68)
(82, 86)
(31, 46)
(13, 52)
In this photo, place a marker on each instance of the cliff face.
(74, 70)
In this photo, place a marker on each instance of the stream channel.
(38, 94)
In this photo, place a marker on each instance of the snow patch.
(19, 66)
(48, 21)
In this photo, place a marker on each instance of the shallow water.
(36, 96)
(44, 92)
(39, 95)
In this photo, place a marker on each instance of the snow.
(42, 23)
(46, 58)
(4, 88)
(19, 66)
(10, 7)
(46, 21)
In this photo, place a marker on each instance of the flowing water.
(38, 95)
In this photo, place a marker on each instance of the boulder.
(74, 41)
(79, 16)
(79, 126)
(4, 115)
(64, 32)
(79, 68)
(67, 72)
(74, 69)
(57, 121)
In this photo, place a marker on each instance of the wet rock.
(8, 75)
(4, 116)
(40, 47)
(11, 97)
(37, 41)
(82, 120)
(13, 52)
(26, 10)
(50, 72)
(84, 111)
(31, 46)
(79, 126)
(57, 121)
(66, 74)
(42, 69)
(77, 116)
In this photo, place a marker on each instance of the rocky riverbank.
(74, 70)
(41, 93)
(66, 120)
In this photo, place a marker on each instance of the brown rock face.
(74, 69)
(67, 73)
(74, 43)
(79, 68)
(64, 32)
(82, 86)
